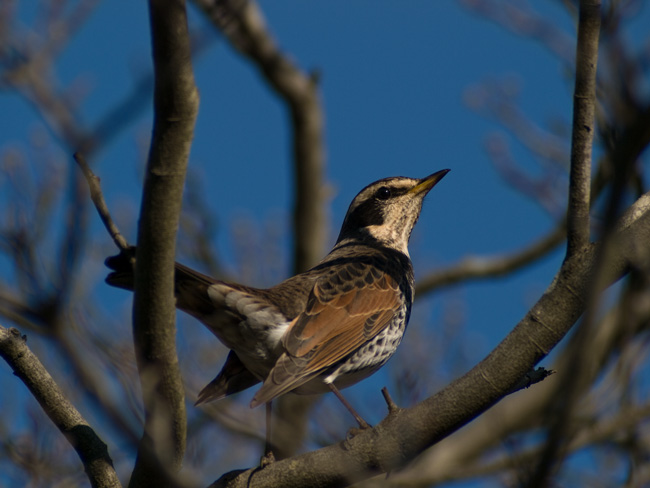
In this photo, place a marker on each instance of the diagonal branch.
(97, 197)
(452, 458)
(407, 432)
(584, 103)
(490, 267)
(92, 451)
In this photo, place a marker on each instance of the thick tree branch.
(92, 451)
(403, 435)
(154, 317)
(477, 443)
(584, 103)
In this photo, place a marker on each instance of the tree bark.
(162, 447)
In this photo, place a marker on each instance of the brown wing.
(340, 317)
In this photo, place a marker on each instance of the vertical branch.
(578, 231)
(584, 102)
(243, 24)
(162, 447)
(309, 204)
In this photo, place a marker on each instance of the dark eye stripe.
(383, 193)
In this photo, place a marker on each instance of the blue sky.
(394, 79)
(393, 82)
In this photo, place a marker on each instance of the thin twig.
(392, 406)
(584, 103)
(92, 451)
(100, 204)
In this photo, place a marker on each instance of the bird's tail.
(190, 286)
(122, 266)
(191, 290)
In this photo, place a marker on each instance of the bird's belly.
(360, 364)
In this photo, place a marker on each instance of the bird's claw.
(268, 458)
(355, 431)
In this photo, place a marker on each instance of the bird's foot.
(355, 431)
(352, 433)
(268, 458)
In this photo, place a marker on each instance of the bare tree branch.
(162, 447)
(478, 268)
(92, 451)
(584, 104)
(578, 236)
(100, 204)
(243, 24)
(475, 444)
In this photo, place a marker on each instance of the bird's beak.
(428, 182)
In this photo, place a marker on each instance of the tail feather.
(190, 286)
(233, 378)
(191, 290)
(122, 266)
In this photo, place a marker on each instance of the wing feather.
(334, 324)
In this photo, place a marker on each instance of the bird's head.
(386, 211)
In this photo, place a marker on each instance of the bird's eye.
(383, 193)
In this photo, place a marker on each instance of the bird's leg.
(268, 457)
(362, 423)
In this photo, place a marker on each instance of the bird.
(321, 330)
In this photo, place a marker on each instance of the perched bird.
(324, 329)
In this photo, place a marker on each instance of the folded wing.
(341, 316)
